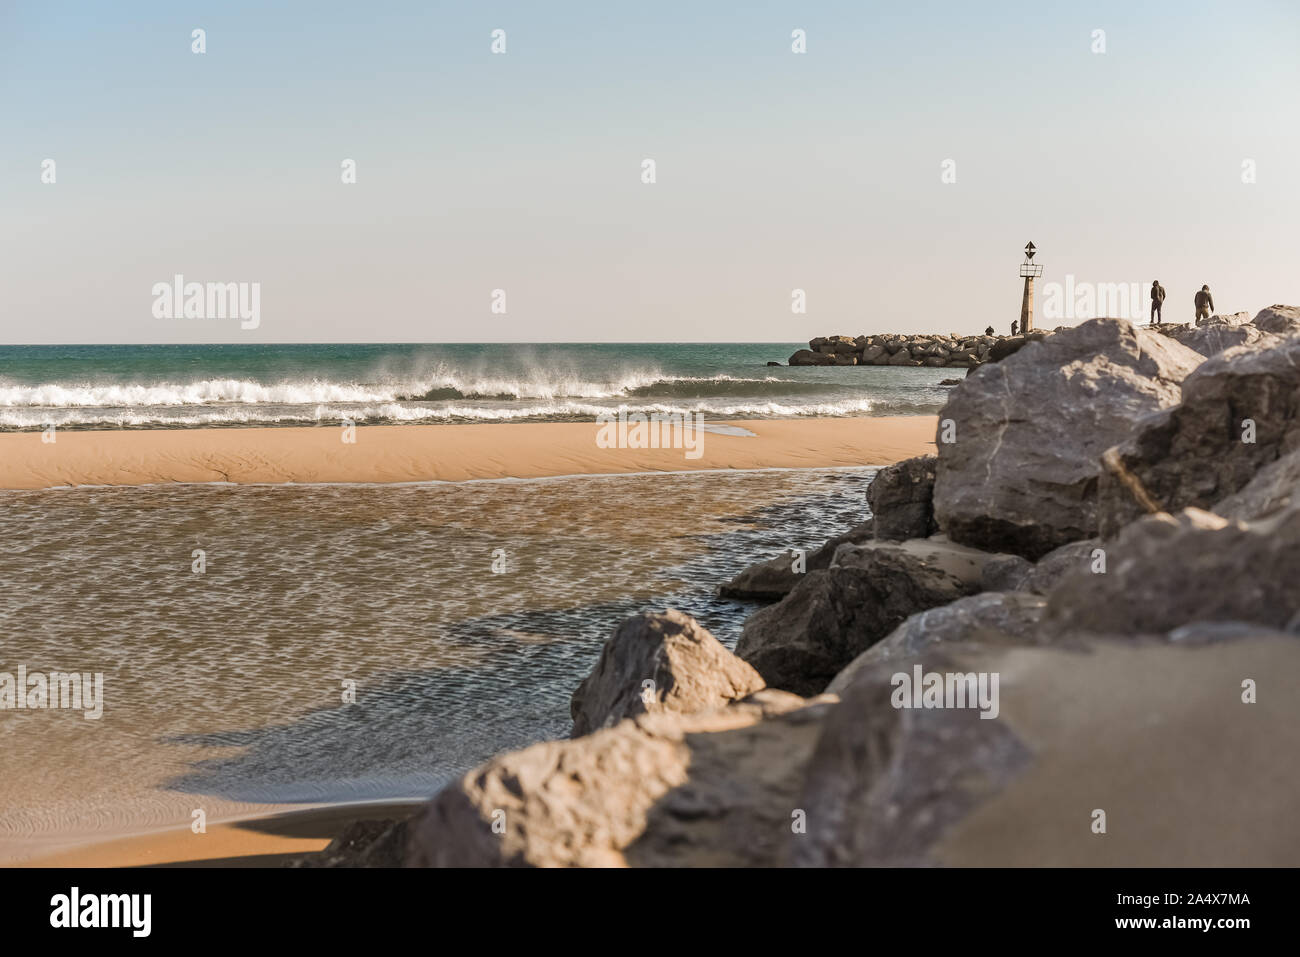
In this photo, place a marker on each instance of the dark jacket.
(1157, 292)
(1203, 299)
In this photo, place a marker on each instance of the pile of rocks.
(951, 351)
(1105, 544)
(1213, 335)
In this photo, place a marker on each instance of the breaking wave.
(440, 387)
(396, 413)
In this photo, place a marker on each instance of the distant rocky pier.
(893, 349)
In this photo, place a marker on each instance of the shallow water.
(224, 689)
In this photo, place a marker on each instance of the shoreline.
(261, 840)
(385, 455)
(389, 454)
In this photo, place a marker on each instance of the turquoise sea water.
(186, 386)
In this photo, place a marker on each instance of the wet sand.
(272, 841)
(453, 453)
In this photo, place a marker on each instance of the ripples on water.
(224, 689)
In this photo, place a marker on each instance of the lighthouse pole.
(1027, 306)
(1030, 271)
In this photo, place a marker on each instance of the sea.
(197, 386)
(353, 643)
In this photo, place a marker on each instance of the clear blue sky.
(775, 170)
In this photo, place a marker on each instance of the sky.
(522, 171)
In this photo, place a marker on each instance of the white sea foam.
(537, 385)
(398, 412)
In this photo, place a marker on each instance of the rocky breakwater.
(1123, 622)
(951, 351)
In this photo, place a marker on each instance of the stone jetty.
(948, 350)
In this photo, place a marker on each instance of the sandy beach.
(452, 453)
(270, 841)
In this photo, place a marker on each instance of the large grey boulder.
(1274, 487)
(1240, 411)
(1279, 320)
(1165, 571)
(901, 496)
(1021, 472)
(659, 662)
(992, 618)
(1213, 337)
(710, 789)
(1110, 753)
(832, 616)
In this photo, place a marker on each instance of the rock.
(775, 578)
(1233, 319)
(1279, 320)
(900, 499)
(713, 789)
(936, 362)
(1006, 573)
(1193, 455)
(1165, 571)
(1045, 574)
(369, 843)
(1274, 487)
(1154, 733)
(1013, 344)
(774, 363)
(832, 616)
(1013, 573)
(902, 358)
(950, 382)
(1214, 337)
(846, 360)
(1022, 473)
(690, 671)
(806, 358)
(989, 618)
(872, 353)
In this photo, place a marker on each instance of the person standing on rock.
(1157, 302)
(988, 331)
(1015, 326)
(1204, 304)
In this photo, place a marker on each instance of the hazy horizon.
(776, 171)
